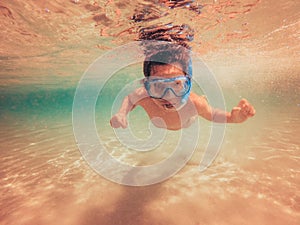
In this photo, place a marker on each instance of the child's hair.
(174, 55)
(166, 44)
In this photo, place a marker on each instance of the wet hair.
(166, 57)
(169, 46)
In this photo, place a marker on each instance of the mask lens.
(178, 86)
(157, 87)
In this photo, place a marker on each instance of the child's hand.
(242, 112)
(119, 120)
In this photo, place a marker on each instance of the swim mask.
(180, 86)
(158, 87)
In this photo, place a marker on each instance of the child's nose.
(169, 94)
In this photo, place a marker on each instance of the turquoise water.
(44, 179)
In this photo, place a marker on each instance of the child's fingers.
(235, 111)
(242, 103)
(252, 111)
(124, 123)
(114, 124)
(246, 108)
(238, 114)
(117, 122)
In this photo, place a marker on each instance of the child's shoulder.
(196, 97)
(200, 102)
(141, 91)
(138, 95)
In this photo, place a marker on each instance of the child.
(167, 98)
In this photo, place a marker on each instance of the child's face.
(169, 101)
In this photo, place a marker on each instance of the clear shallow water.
(44, 179)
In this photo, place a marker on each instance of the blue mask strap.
(185, 97)
(190, 68)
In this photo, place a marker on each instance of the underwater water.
(251, 47)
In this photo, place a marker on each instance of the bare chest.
(169, 118)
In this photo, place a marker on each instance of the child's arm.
(238, 114)
(128, 104)
(120, 118)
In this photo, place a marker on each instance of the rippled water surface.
(252, 48)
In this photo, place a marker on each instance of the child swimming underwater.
(167, 98)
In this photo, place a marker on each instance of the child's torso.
(169, 118)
